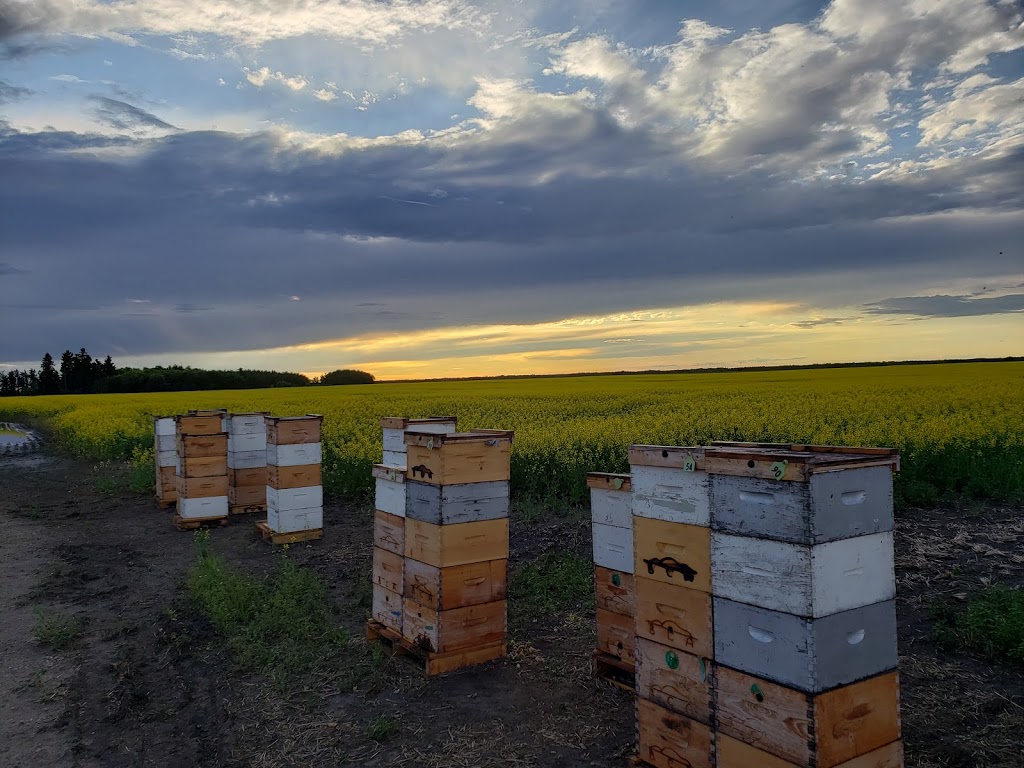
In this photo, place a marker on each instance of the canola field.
(960, 427)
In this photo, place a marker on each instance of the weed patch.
(56, 632)
(992, 624)
(556, 582)
(280, 626)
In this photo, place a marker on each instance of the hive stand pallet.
(434, 663)
(616, 672)
(192, 523)
(244, 509)
(166, 503)
(295, 537)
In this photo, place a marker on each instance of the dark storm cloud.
(530, 230)
(125, 116)
(7, 269)
(948, 306)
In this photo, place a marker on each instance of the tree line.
(81, 374)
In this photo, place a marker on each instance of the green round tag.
(616, 579)
(672, 660)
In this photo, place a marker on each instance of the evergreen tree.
(109, 369)
(49, 379)
(67, 371)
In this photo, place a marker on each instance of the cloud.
(127, 117)
(249, 22)
(819, 321)
(261, 76)
(9, 92)
(948, 306)
(323, 94)
(10, 269)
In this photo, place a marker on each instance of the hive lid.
(609, 481)
(690, 457)
(791, 461)
(401, 422)
(307, 417)
(434, 440)
(385, 472)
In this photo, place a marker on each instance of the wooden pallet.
(434, 663)
(192, 523)
(615, 671)
(287, 538)
(165, 503)
(245, 509)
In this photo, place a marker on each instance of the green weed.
(56, 632)
(382, 729)
(992, 624)
(556, 582)
(280, 626)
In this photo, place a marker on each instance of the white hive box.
(287, 499)
(611, 501)
(294, 455)
(390, 489)
(247, 459)
(294, 520)
(245, 424)
(810, 581)
(394, 428)
(669, 483)
(613, 547)
(210, 506)
(247, 443)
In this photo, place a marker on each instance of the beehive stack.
(804, 611)
(295, 496)
(612, 526)
(165, 454)
(247, 462)
(454, 577)
(202, 467)
(674, 644)
(389, 516)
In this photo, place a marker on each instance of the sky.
(429, 188)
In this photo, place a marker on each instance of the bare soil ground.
(148, 684)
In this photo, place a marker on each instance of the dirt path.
(147, 683)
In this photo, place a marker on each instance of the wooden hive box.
(389, 532)
(199, 424)
(201, 487)
(299, 476)
(616, 636)
(447, 545)
(677, 681)
(247, 495)
(205, 466)
(202, 446)
(387, 608)
(673, 553)
(669, 483)
(452, 504)
(675, 616)
(388, 570)
(810, 655)
(457, 586)
(732, 753)
(389, 485)
(394, 427)
(293, 455)
(811, 731)
(248, 478)
(666, 739)
(829, 506)
(166, 484)
(811, 581)
(459, 457)
(615, 591)
(294, 430)
(454, 630)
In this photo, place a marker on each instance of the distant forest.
(81, 374)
